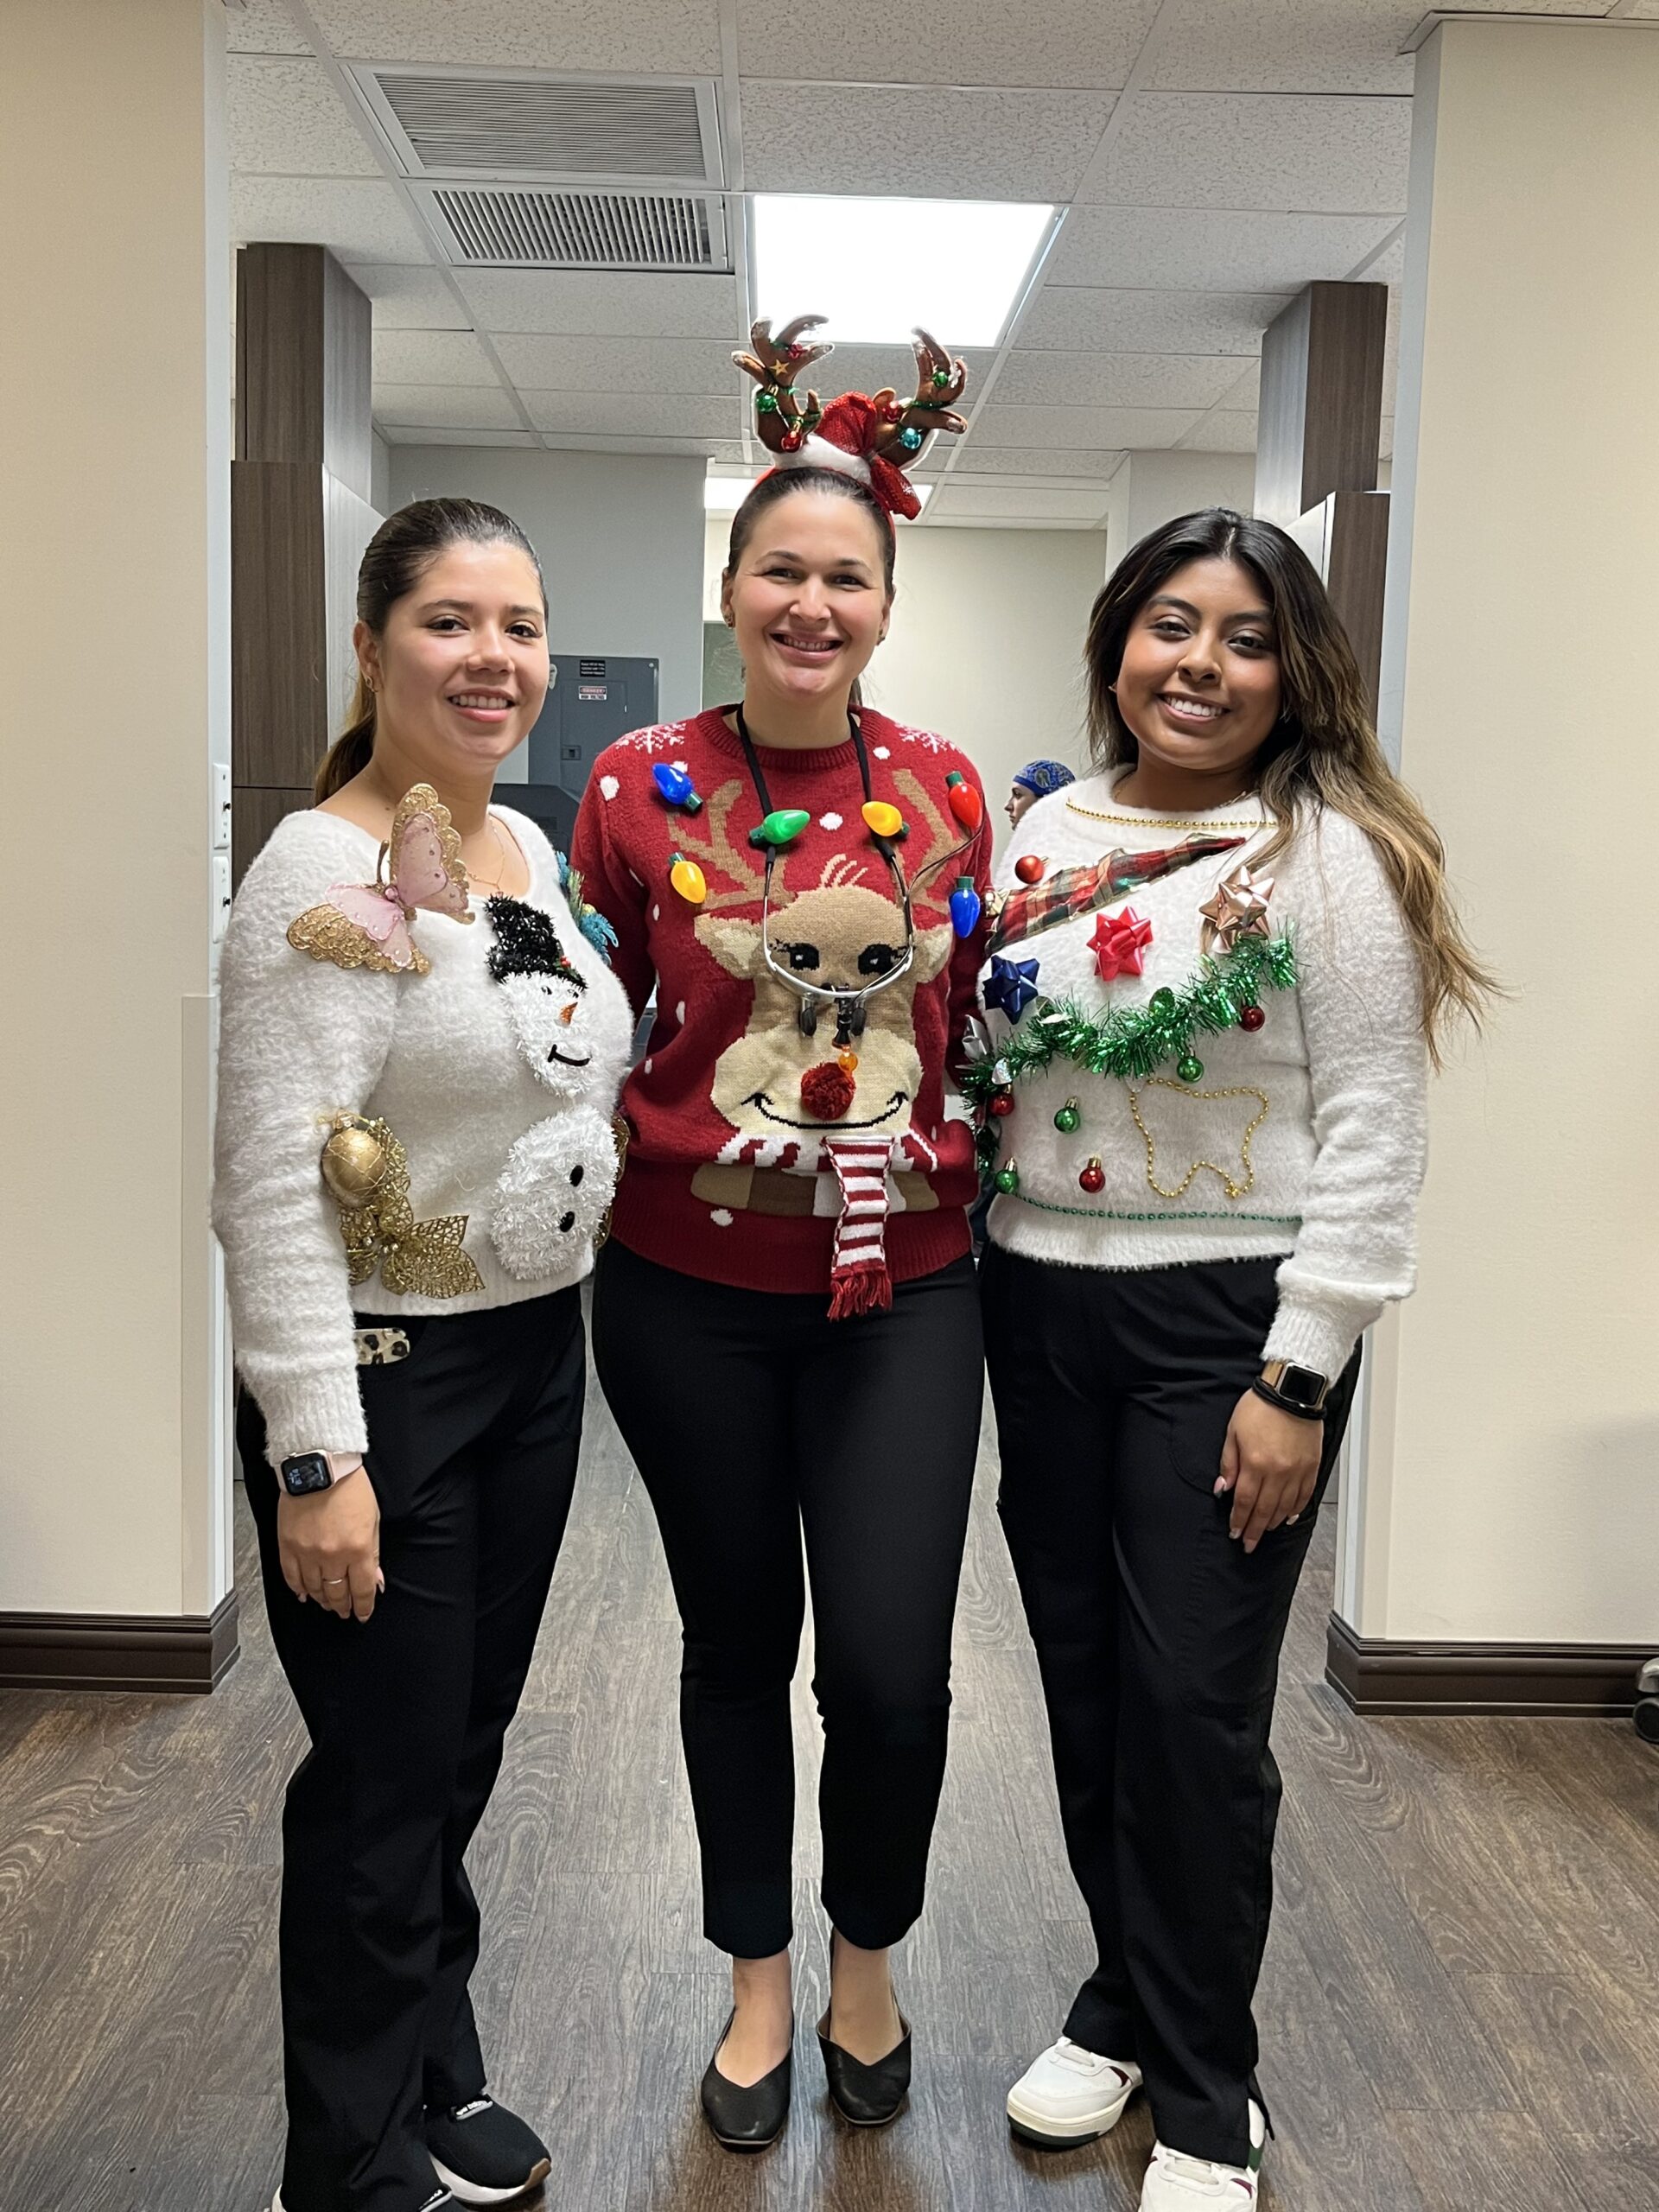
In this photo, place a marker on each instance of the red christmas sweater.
(727, 1177)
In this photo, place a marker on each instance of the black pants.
(1158, 1637)
(752, 1417)
(472, 1451)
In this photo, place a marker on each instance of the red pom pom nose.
(826, 1091)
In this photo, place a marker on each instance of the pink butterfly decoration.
(367, 924)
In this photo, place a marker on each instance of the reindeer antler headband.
(872, 436)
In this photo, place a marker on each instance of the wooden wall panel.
(280, 717)
(1321, 405)
(1357, 572)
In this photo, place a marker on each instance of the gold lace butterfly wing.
(359, 925)
(367, 924)
(429, 1261)
(423, 864)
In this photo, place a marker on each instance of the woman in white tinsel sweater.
(1220, 967)
(421, 1048)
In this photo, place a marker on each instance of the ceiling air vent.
(485, 124)
(540, 228)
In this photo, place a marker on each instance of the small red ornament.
(965, 802)
(1029, 868)
(1002, 1103)
(1118, 942)
(1093, 1178)
(1253, 1018)
(826, 1091)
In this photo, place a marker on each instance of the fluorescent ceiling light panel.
(876, 269)
(724, 495)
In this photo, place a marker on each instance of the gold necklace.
(492, 883)
(1151, 822)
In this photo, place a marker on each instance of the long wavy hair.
(1322, 752)
(393, 563)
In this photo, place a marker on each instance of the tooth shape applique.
(1176, 1121)
(367, 924)
(367, 1171)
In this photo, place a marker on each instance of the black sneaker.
(483, 2153)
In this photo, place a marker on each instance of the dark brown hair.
(396, 556)
(1323, 751)
(778, 484)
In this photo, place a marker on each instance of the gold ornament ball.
(354, 1165)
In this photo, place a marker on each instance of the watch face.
(1302, 1384)
(308, 1471)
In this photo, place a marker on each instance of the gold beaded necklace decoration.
(1233, 1190)
(1149, 821)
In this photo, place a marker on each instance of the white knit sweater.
(457, 1063)
(1330, 1176)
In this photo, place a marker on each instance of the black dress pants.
(472, 1443)
(1158, 1637)
(753, 1418)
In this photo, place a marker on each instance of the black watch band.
(1265, 1390)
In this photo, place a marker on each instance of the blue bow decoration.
(1012, 985)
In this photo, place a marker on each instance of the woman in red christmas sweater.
(785, 1319)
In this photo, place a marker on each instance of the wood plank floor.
(1459, 2011)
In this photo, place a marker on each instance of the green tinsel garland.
(1129, 1042)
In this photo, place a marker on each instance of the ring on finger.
(333, 1581)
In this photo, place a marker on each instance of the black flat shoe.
(867, 2096)
(750, 2119)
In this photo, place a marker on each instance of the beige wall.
(1150, 488)
(112, 1479)
(1511, 1489)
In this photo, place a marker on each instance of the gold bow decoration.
(366, 1171)
(1238, 909)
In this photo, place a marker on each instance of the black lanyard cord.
(758, 779)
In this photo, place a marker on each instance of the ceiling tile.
(1203, 149)
(1084, 43)
(447, 406)
(1247, 392)
(1222, 430)
(1389, 266)
(286, 118)
(359, 221)
(1081, 504)
(671, 415)
(1292, 46)
(727, 449)
(409, 299)
(406, 434)
(1054, 379)
(1086, 428)
(652, 37)
(1182, 249)
(1037, 461)
(920, 142)
(642, 365)
(431, 357)
(1076, 319)
(571, 303)
(262, 27)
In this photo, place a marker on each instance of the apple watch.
(309, 1472)
(1298, 1390)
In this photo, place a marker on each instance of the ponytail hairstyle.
(396, 556)
(1322, 752)
(778, 484)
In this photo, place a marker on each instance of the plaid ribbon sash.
(1075, 891)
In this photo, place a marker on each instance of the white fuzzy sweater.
(1331, 1175)
(455, 1061)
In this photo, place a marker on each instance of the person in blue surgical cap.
(1035, 780)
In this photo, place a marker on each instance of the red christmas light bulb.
(1029, 868)
(965, 802)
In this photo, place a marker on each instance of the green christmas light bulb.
(781, 827)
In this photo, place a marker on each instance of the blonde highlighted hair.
(1322, 752)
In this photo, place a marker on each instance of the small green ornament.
(1161, 1002)
(765, 403)
(1190, 1069)
(1006, 1179)
(941, 377)
(1068, 1117)
(781, 827)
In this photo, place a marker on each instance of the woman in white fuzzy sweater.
(1219, 970)
(420, 1053)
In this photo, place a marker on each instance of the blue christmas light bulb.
(964, 906)
(676, 786)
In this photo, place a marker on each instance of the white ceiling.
(1212, 159)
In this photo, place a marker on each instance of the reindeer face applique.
(574, 1037)
(790, 1082)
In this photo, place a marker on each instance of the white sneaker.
(1175, 2182)
(1071, 2095)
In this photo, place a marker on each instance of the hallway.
(1458, 2010)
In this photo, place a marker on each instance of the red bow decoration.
(855, 424)
(1117, 944)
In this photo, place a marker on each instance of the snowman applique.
(574, 1029)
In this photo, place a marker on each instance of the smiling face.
(808, 597)
(1199, 685)
(461, 668)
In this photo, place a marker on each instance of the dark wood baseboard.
(1375, 1676)
(188, 1654)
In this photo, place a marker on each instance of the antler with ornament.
(940, 382)
(781, 423)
